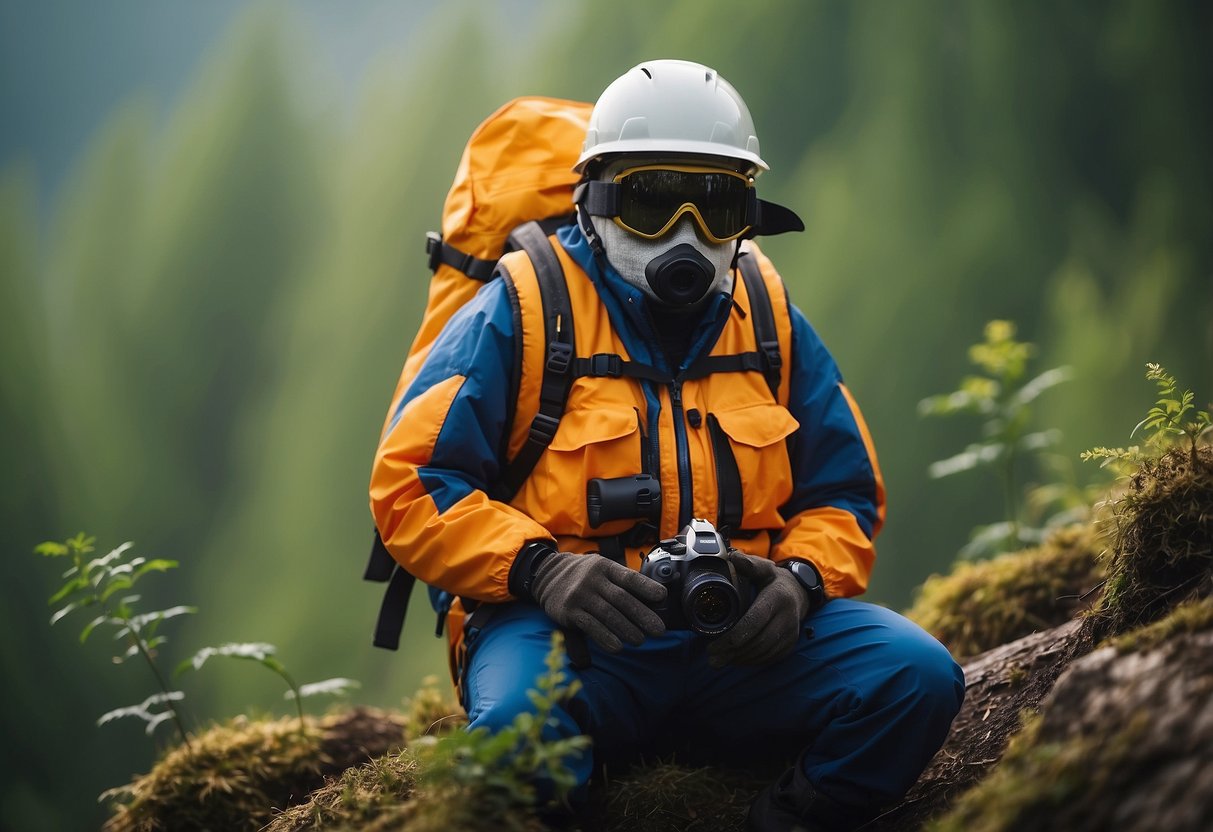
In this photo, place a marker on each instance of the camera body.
(703, 591)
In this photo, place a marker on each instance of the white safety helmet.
(671, 107)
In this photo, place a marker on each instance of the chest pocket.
(603, 442)
(753, 471)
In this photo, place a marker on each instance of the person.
(782, 463)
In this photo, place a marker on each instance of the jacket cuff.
(522, 572)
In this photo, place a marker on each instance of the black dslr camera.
(703, 591)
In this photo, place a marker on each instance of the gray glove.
(604, 599)
(770, 628)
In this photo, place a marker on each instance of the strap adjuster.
(433, 248)
(770, 350)
(606, 364)
(543, 428)
(560, 356)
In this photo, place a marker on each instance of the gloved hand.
(604, 599)
(770, 628)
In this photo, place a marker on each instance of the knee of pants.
(927, 671)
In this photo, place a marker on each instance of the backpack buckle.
(560, 356)
(606, 364)
(770, 351)
(433, 248)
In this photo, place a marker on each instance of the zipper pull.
(676, 393)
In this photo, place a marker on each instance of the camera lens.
(711, 606)
(711, 603)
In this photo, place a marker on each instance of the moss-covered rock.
(984, 604)
(235, 775)
(1162, 544)
(1124, 741)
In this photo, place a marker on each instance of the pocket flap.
(759, 425)
(579, 428)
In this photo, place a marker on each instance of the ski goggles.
(649, 200)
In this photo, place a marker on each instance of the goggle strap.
(599, 199)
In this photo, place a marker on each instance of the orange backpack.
(513, 187)
(517, 168)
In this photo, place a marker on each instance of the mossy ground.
(234, 775)
(981, 605)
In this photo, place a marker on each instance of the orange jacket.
(811, 485)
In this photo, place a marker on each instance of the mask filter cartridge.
(680, 276)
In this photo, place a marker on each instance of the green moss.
(1186, 618)
(984, 604)
(370, 796)
(1162, 547)
(234, 775)
(1038, 784)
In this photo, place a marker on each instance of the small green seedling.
(1002, 396)
(96, 583)
(1173, 416)
(501, 769)
(263, 654)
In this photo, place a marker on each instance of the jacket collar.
(632, 313)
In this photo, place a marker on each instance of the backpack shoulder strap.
(559, 355)
(766, 335)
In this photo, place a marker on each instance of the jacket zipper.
(683, 452)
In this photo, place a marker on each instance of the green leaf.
(64, 611)
(157, 565)
(142, 620)
(338, 686)
(92, 625)
(67, 589)
(274, 665)
(143, 710)
(972, 457)
(51, 549)
(115, 586)
(255, 651)
(1045, 381)
(82, 543)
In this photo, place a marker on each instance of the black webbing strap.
(728, 478)
(743, 362)
(381, 567)
(393, 609)
(558, 324)
(380, 564)
(440, 252)
(611, 365)
(764, 320)
(558, 361)
(599, 199)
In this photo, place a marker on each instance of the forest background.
(211, 269)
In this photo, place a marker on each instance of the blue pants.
(867, 697)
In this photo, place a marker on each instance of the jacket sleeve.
(442, 447)
(838, 501)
